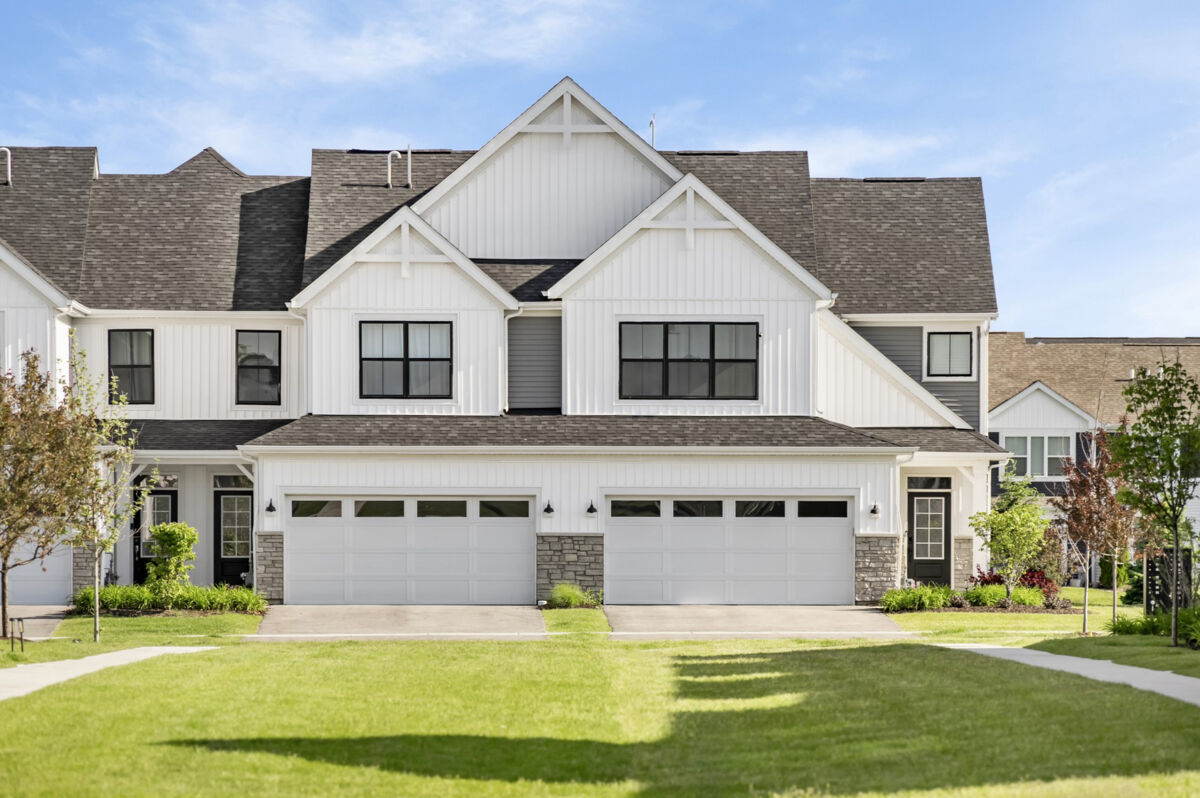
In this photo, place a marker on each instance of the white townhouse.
(459, 377)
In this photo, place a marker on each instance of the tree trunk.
(1114, 586)
(1087, 567)
(96, 555)
(1175, 579)
(4, 600)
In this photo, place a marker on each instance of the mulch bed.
(1019, 608)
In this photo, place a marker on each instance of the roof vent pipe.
(8, 168)
(390, 154)
(408, 158)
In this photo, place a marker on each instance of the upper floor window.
(404, 360)
(131, 365)
(258, 369)
(949, 354)
(691, 360)
(1038, 455)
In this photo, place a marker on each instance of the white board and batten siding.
(372, 291)
(540, 196)
(195, 365)
(850, 389)
(725, 277)
(535, 362)
(1037, 410)
(26, 322)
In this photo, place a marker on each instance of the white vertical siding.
(542, 197)
(654, 276)
(431, 291)
(1037, 411)
(852, 390)
(570, 483)
(195, 364)
(26, 321)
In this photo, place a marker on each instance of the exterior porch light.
(270, 505)
(592, 512)
(548, 510)
(874, 510)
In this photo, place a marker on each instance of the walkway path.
(40, 619)
(24, 679)
(1172, 685)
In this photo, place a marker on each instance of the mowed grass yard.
(583, 715)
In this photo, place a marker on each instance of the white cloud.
(843, 151)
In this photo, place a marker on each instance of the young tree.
(105, 501)
(1093, 516)
(1158, 455)
(36, 463)
(1014, 530)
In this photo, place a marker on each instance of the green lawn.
(1097, 598)
(1000, 628)
(128, 632)
(589, 622)
(1144, 651)
(596, 718)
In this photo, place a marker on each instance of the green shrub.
(919, 597)
(985, 595)
(1106, 572)
(1190, 632)
(1157, 624)
(172, 547)
(1028, 597)
(144, 598)
(566, 596)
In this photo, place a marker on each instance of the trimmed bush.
(173, 547)
(566, 596)
(1157, 624)
(1036, 579)
(143, 598)
(919, 597)
(985, 595)
(1028, 597)
(1106, 572)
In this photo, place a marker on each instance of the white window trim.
(1027, 434)
(948, 328)
(456, 388)
(944, 497)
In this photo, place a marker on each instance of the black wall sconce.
(874, 510)
(548, 510)
(592, 512)
(270, 505)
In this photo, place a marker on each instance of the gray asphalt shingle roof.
(201, 434)
(938, 439)
(555, 430)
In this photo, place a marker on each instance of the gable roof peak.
(206, 159)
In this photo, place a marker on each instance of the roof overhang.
(885, 452)
(36, 280)
(916, 318)
(188, 456)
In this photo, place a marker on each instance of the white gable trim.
(1040, 387)
(690, 187)
(403, 219)
(851, 338)
(571, 91)
(30, 275)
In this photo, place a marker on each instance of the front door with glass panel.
(232, 511)
(160, 507)
(929, 537)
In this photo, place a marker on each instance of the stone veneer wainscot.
(876, 567)
(578, 559)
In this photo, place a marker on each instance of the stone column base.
(964, 559)
(81, 569)
(578, 559)
(876, 567)
(268, 567)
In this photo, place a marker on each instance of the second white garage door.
(401, 550)
(729, 551)
(45, 581)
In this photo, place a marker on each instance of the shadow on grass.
(888, 717)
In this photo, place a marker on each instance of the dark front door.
(929, 537)
(232, 510)
(160, 507)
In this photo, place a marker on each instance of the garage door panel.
(441, 563)
(760, 592)
(640, 563)
(46, 581)
(318, 566)
(376, 563)
(636, 591)
(382, 591)
(707, 536)
(759, 564)
(638, 535)
(372, 537)
(697, 591)
(500, 538)
(822, 592)
(756, 537)
(444, 591)
(320, 538)
(318, 591)
(493, 564)
(817, 566)
(502, 592)
(441, 537)
(696, 563)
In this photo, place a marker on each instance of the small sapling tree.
(1013, 530)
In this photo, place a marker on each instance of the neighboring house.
(678, 377)
(1047, 395)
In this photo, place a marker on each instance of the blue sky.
(1082, 118)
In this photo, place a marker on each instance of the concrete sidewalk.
(715, 622)
(24, 679)
(1172, 685)
(40, 619)
(285, 622)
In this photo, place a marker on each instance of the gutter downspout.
(898, 508)
(508, 316)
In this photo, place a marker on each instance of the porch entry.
(161, 507)
(232, 511)
(929, 529)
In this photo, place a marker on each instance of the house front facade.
(457, 377)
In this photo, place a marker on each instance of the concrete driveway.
(40, 619)
(408, 622)
(702, 621)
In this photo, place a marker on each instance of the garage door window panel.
(635, 508)
(503, 508)
(808, 508)
(441, 508)
(698, 508)
(379, 508)
(760, 509)
(316, 508)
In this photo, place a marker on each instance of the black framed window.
(258, 367)
(822, 508)
(503, 508)
(404, 360)
(759, 509)
(635, 508)
(949, 354)
(131, 364)
(689, 360)
(698, 508)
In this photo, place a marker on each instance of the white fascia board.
(943, 459)
(188, 457)
(403, 215)
(563, 87)
(917, 318)
(885, 452)
(207, 315)
(1040, 387)
(33, 277)
(541, 308)
(644, 219)
(849, 336)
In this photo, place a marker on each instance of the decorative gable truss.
(403, 240)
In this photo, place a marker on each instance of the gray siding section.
(902, 346)
(535, 362)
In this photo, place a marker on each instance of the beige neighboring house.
(1045, 394)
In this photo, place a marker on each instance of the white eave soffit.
(691, 188)
(570, 93)
(405, 220)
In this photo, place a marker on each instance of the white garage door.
(402, 550)
(29, 584)
(729, 551)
